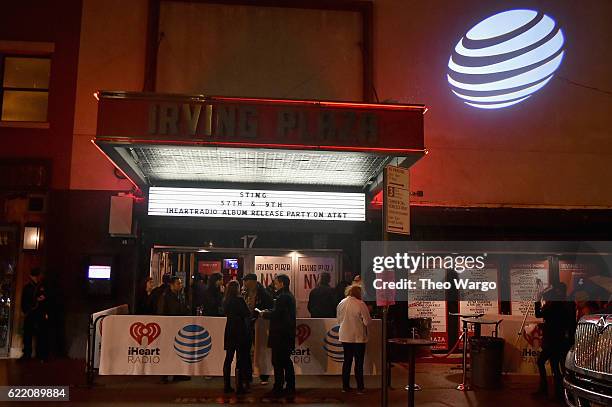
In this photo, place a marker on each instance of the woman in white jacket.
(354, 317)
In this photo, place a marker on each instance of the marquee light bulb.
(505, 58)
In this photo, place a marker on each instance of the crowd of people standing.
(242, 306)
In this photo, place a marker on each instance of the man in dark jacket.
(213, 297)
(34, 304)
(171, 302)
(554, 336)
(157, 293)
(281, 337)
(322, 299)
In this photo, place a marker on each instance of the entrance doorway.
(195, 264)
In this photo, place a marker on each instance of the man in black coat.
(170, 302)
(322, 299)
(281, 337)
(213, 297)
(34, 304)
(555, 336)
(157, 293)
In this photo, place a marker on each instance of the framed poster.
(524, 278)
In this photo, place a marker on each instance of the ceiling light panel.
(250, 165)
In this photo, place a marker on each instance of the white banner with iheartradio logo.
(193, 346)
(162, 345)
(318, 350)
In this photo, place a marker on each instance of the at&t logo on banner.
(144, 335)
(192, 343)
(333, 346)
(505, 58)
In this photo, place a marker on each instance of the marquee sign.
(269, 123)
(257, 204)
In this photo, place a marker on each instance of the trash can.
(487, 355)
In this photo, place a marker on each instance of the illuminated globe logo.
(332, 344)
(192, 343)
(505, 58)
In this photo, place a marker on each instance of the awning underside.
(149, 165)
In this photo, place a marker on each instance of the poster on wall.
(208, 267)
(267, 267)
(155, 270)
(436, 311)
(572, 270)
(479, 302)
(309, 270)
(428, 304)
(309, 273)
(524, 278)
(587, 283)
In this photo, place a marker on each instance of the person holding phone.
(281, 338)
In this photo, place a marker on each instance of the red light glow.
(116, 166)
(377, 201)
(351, 105)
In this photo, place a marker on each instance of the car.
(588, 365)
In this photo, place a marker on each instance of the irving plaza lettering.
(245, 122)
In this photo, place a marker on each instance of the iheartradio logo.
(139, 331)
(533, 335)
(302, 333)
(505, 58)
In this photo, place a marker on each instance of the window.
(24, 93)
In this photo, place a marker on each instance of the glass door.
(8, 263)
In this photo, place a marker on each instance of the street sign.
(398, 177)
(397, 202)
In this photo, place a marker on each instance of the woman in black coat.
(237, 338)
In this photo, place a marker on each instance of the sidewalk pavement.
(438, 382)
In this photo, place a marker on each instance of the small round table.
(412, 345)
(477, 322)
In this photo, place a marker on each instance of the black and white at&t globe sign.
(505, 59)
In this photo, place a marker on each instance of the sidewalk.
(438, 381)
